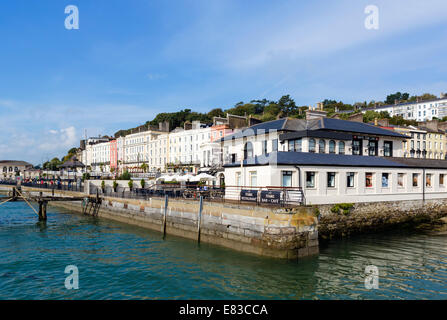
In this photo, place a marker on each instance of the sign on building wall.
(273, 197)
(249, 195)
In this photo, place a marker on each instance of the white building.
(419, 110)
(100, 157)
(327, 161)
(149, 147)
(95, 151)
(326, 179)
(187, 145)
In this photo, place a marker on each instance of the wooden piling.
(199, 219)
(42, 210)
(14, 194)
(165, 214)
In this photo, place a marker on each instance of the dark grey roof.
(15, 162)
(288, 124)
(357, 127)
(324, 159)
(72, 163)
(422, 163)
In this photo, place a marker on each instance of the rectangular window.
(253, 179)
(350, 179)
(428, 177)
(238, 179)
(275, 145)
(357, 147)
(415, 179)
(441, 180)
(373, 148)
(292, 145)
(331, 179)
(264, 147)
(385, 177)
(388, 148)
(286, 179)
(368, 179)
(400, 180)
(298, 145)
(310, 179)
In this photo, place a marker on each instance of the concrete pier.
(266, 231)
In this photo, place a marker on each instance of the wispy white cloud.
(155, 76)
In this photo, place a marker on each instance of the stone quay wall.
(376, 216)
(265, 231)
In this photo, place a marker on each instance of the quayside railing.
(266, 196)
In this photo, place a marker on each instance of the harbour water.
(117, 261)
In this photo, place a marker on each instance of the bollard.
(165, 214)
(199, 219)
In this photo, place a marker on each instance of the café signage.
(273, 197)
(249, 195)
(365, 138)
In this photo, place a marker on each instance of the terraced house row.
(190, 147)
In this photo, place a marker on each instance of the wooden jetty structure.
(94, 202)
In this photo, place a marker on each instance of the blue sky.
(132, 59)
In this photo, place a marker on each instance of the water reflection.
(117, 261)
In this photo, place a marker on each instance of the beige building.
(12, 168)
(426, 141)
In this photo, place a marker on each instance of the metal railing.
(62, 185)
(266, 196)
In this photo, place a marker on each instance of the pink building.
(113, 154)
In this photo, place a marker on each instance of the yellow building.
(423, 142)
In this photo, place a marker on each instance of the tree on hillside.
(52, 165)
(402, 97)
(370, 115)
(217, 112)
(423, 97)
(287, 106)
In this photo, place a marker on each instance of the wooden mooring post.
(199, 219)
(43, 210)
(165, 216)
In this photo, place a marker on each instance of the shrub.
(103, 185)
(85, 176)
(130, 183)
(142, 182)
(344, 207)
(125, 176)
(115, 185)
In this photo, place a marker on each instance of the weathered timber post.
(43, 210)
(165, 214)
(14, 194)
(199, 218)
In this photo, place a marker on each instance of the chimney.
(418, 99)
(356, 117)
(396, 101)
(376, 123)
(315, 114)
(187, 125)
(432, 124)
